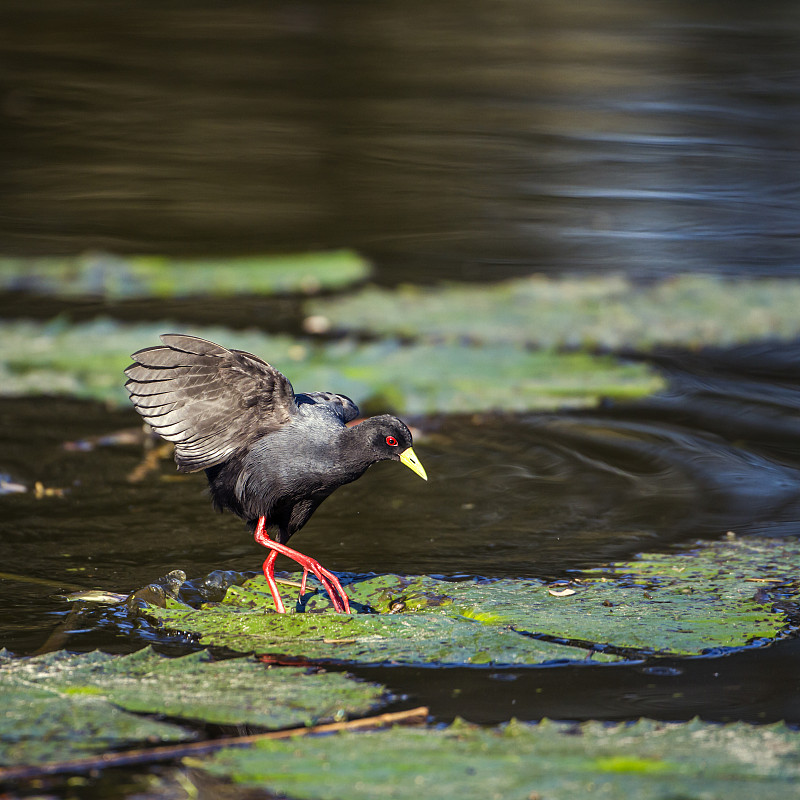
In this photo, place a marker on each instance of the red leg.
(328, 580)
(269, 574)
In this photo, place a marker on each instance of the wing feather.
(340, 404)
(208, 400)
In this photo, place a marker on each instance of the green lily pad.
(43, 721)
(129, 277)
(367, 638)
(38, 727)
(647, 760)
(684, 604)
(719, 590)
(678, 603)
(607, 312)
(87, 360)
(457, 377)
(59, 705)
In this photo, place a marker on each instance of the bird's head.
(389, 439)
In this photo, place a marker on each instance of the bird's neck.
(354, 456)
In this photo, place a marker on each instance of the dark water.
(474, 142)
(491, 139)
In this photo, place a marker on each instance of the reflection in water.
(649, 136)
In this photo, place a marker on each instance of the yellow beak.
(409, 458)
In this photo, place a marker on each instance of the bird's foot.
(303, 582)
(328, 580)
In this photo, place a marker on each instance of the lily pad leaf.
(370, 638)
(668, 603)
(61, 705)
(67, 719)
(681, 603)
(647, 760)
(605, 312)
(129, 277)
(87, 360)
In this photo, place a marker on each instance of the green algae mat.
(548, 761)
(608, 312)
(719, 595)
(132, 277)
(87, 359)
(61, 706)
(532, 343)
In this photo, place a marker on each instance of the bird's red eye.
(391, 441)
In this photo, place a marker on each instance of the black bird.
(271, 456)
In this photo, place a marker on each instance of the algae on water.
(680, 604)
(130, 277)
(646, 761)
(61, 706)
(609, 312)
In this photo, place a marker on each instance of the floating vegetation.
(114, 277)
(647, 760)
(87, 359)
(609, 312)
(682, 603)
(419, 638)
(60, 706)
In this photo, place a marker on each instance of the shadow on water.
(756, 686)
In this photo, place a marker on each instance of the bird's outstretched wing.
(208, 400)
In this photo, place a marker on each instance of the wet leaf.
(87, 360)
(370, 639)
(44, 721)
(458, 377)
(59, 705)
(127, 277)
(647, 761)
(676, 603)
(606, 312)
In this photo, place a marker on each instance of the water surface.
(498, 139)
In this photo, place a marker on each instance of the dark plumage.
(271, 456)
